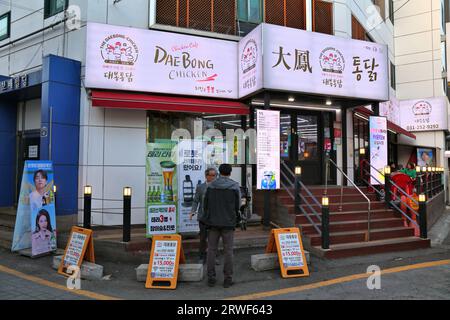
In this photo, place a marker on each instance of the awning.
(390, 125)
(117, 99)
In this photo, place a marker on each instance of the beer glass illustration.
(168, 169)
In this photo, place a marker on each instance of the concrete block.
(89, 270)
(269, 261)
(186, 272)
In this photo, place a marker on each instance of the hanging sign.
(79, 248)
(291, 255)
(165, 257)
(35, 226)
(424, 114)
(378, 149)
(268, 149)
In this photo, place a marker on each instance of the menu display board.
(79, 247)
(291, 254)
(378, 149)
(268, 149)
(166, 255)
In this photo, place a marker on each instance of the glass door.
(309, 136)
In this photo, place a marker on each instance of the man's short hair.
(208, 171)
(225, 169)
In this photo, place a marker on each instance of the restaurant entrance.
(305, 138)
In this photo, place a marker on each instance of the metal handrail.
(359, 190)
(307, 215)
(400, 189)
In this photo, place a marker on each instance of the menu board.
(164, 259)
(268, 149)
(291, 253)
(165, 256)
(287, 243)
(79, 247)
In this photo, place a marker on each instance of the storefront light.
(429, 169)
(325, 201)
(328, 102)
(127, 192)
(387, 170)
(362, 151)
(417, 169)
(422, 198)
(298, 170)
(88, 190)
(291, 99)
(424, 169)
(54, 188)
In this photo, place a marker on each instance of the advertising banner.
(424, 114)
(134, 59)
(378, 149)
(36, 219)
(161, 188)
(302, 61)
(268, 149)
(191, 167)
(425, 157)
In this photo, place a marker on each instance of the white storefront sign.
(134, 59)
(424, 114)
(268, 149)
(391, 110)
(378, 149)
(251, 63)
(301, 61)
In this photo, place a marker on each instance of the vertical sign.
(191, 169)
(36, 219)
(79, 247)
(378, 149)
(268, 149)
(161, 190)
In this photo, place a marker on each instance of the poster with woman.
(36, 209)
(425, 157)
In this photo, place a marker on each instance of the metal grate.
(295, 14)
(323, 17)
(166, 12)
(208, 15)
(358, 31)
(274, 12)
(224, 16)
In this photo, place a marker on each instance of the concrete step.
(361, 236)
(372, 247)
(342, 226)
(337, 207)
(347, 216)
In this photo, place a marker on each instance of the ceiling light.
(329, 102)
(291, 99)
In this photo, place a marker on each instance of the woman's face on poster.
(40, 182)
(43, 223)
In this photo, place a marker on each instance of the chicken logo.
(119, 49)
(422, 108)
(249, 56)
(332, 60)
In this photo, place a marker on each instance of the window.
(52, 7)
(288, 13)
(391, 11)
(5, 23)
(250, 10)
(393, 86)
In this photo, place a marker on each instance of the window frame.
(261, 12)
(392, 76)
(8, 28)
(48, 8)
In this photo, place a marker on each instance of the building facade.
(93, 143)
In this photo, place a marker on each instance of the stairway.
(7, 222)
(349, 224)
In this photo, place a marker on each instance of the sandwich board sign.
(287, 243)
(79, 247)
(165, 257)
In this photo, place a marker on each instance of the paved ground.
(25, 278)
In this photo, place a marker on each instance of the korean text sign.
(302, 61)
(424, 114)
(378, 149)
(134, 59)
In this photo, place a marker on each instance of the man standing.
(221, 214)
(197, 207)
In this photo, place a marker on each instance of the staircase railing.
(357, 188)
(390, 201)
(294, 186)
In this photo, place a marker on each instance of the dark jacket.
(197, 204)
(221, 203)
